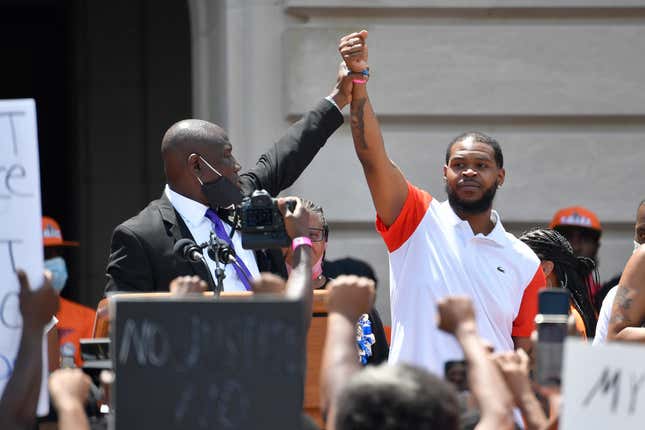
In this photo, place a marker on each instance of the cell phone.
(551, 322)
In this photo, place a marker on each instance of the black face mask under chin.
(221, 193)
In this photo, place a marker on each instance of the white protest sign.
(603, 386)
(21, 244)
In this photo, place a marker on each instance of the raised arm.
(69, 389)
(299, 283)
(349, 298)
(514, 365)
(457, 316)
(628, 311)
(387, 184)
(20, 398)
(284, 162)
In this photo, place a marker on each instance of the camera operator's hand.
(351, 296)
(268, 283)
(182, 285)
(456, 313)
(38, 306)
(69, 388)
(296, 222)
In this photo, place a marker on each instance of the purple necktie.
(220, 231)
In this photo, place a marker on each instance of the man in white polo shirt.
(438, 249)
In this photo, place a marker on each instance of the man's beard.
(474, 207)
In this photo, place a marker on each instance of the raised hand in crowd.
(457, 317)
(514, 366)
(349, 297)
(183, 285)
(268, 283)
(69, 389)
(20, 397)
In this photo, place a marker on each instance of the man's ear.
(445, 172)
(194, 162)
(501, 176)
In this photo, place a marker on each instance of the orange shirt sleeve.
(524, 323)
(415, 207)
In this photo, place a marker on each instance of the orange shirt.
(75, 322)
(580, 324)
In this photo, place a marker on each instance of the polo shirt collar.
(193, 212)
(497, 235)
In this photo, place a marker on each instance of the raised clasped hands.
(353, 49)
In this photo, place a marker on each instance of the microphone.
(218, 250)
(188, 250)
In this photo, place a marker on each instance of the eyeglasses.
(317, 234)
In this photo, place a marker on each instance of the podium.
(315, 340)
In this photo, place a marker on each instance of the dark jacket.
(141, 255)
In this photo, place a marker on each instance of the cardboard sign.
(21, 244)
(603, 386)
(207, 363)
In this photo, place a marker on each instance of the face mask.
(221, 192)
(316, 269)
(58, 268)
(636, 245)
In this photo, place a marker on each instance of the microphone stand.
(220, 252)
(213, 252)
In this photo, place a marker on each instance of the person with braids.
(563, 268)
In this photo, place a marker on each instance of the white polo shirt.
(433, 253)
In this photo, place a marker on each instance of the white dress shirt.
(194, 215)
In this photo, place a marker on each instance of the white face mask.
(316, 269)
(636, 245)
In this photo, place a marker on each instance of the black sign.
(203, 363)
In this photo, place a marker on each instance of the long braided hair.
(572, 271)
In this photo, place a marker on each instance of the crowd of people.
(463, 291)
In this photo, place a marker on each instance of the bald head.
(189, 147)
(192, 135)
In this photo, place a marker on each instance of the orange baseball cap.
(576, 216)
(52, 234)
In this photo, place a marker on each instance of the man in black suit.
(202, 176)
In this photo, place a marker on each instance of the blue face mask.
(59, 272)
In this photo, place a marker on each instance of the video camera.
(262, 222)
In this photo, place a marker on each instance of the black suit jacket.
(141, 255)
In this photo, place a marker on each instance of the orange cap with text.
(52, 234)
(576, 216)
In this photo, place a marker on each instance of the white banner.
(603, 386)
(21, 244)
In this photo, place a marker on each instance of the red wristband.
(298, 241)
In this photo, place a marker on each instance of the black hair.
(481, 138)
(317, 209)
(393, 397)
(572, 271)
